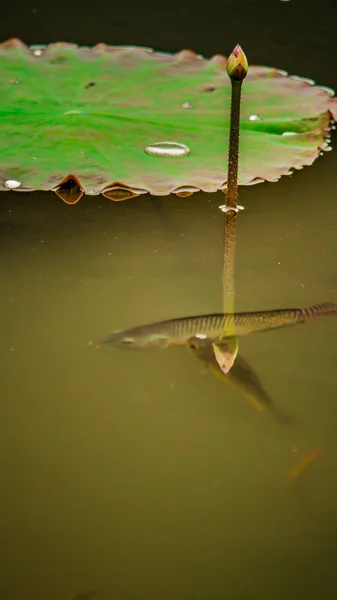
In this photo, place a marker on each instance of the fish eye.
(128, 341)
(193, 346)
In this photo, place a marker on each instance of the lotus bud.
(237, 64)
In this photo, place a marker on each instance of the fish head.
(137, 337)
(201, 346)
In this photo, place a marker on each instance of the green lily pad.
(79, 120)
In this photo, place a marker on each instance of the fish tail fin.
(320, 310)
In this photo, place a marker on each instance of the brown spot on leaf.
(57, 59)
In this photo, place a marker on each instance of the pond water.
(135, 475)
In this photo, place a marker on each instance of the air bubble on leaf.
(12, 184)
(288, 133)
(167, 149)
(186, 105)
(254, 118)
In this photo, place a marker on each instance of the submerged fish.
(242, 376)
(178, 331)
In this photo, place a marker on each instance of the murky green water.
(137, 475)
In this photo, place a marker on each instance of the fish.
(213, 326)
(242, 376)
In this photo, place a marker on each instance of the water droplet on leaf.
(254, 118)
(167, 149)
(37, 50)
(73, 112)
(11, 184)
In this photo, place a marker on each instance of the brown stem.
(233, 151)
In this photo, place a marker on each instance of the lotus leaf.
(79, 120)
